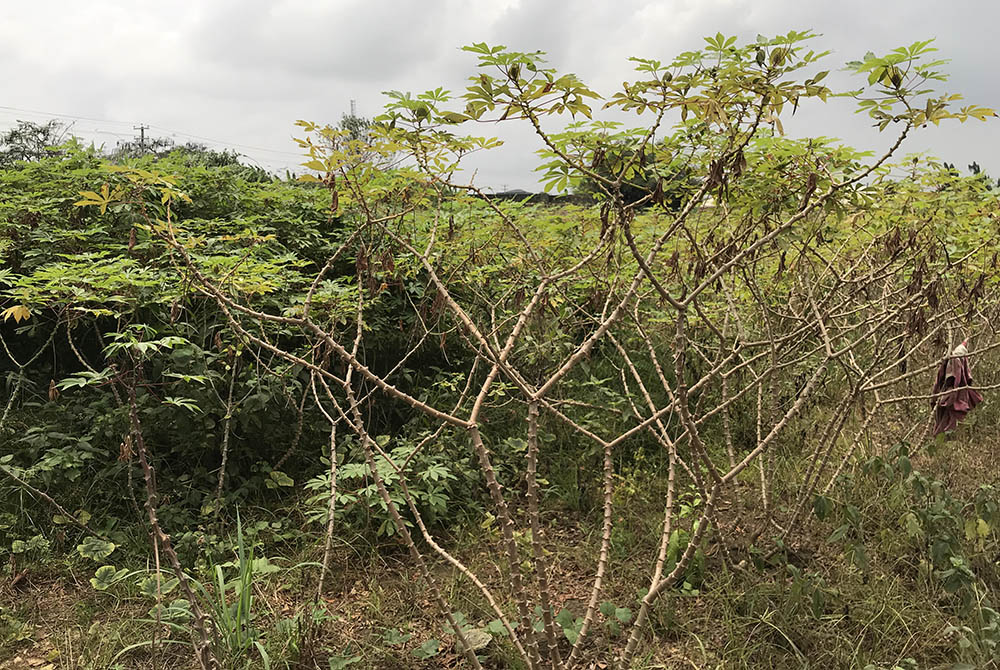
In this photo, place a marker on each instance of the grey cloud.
(243, 70)
(369, 40)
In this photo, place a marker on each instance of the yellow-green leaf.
(18, 312)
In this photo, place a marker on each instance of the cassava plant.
(720, 325)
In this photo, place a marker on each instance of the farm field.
(713, 411)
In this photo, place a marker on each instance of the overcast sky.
(238, 73)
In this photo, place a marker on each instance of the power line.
(81, 129)
(92, 131)
(140, 125)
(64, 116)
(142, 135)
(231, 144)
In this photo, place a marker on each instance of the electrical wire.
(11, 111)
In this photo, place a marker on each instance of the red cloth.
(951, 407)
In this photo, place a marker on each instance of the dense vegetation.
(372, 418)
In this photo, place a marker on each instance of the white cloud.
(243, 71)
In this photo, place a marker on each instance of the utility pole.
(142, 136)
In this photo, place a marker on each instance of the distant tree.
(201, 154)
(977, 171)
(195, 154)
(156, 146)
(29, 141)
(358, 127)
(642, 180)
(191, 154)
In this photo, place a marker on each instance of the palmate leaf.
(18, 312)
(623, 614)
(428, 649)
(278, 478)
(103, 577)
(83, 516)
(147, 586)
(95, 548)
(478, 638)
(184, 403)
(341, 662)
(106, 576)
(84, 378)
(394, 637)
(177, 610)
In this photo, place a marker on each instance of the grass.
(73, 627)
(810, 607)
